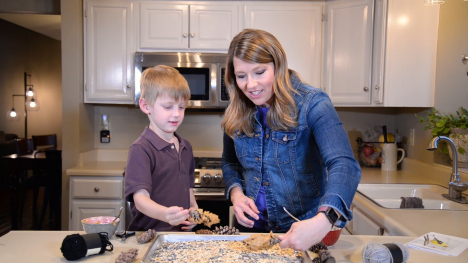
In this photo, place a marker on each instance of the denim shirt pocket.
(241, 146)
(285, 146)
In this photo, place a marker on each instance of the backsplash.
(203, 130)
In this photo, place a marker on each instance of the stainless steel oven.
(209, 189)
(204, 73)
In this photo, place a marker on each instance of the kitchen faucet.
(456, 187)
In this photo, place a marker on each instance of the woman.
(284, 146)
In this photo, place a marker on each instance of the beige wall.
(75, 113)
(26, 51)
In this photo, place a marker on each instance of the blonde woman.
(284, 147)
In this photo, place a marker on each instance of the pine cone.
(317, 247)
(316, 260)
(204, 232)
(127, 256)
(226, 230)
(146, 236)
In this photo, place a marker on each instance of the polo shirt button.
(267, 184)
(277, 228)
(172, 146)
(267, 136)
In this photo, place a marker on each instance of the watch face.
(332, 215)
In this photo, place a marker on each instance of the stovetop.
(208, 173)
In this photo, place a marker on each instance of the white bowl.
(100, 224)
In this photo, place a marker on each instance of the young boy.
(160, 167)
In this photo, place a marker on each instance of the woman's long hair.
(258, 46)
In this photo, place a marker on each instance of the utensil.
(285, 210)
(438, 241)
(385, 133)
(120, 212)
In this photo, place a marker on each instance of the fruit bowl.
(332, 237)
(100, 224)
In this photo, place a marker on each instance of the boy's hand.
(175, 215)
(189, 225)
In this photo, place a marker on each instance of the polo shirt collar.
(158, 142)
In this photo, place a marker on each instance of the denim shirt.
(302, 169)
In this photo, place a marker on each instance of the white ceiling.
(48, 25)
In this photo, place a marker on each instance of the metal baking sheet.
(194, 237)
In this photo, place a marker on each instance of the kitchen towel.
(411, 202)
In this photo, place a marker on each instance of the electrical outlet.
(411, 137)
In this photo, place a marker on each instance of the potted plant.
(454, 127)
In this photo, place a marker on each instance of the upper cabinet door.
(163, 26)
(213, 26)
(348, 51)
(298, 27)
(411, 54)
(108, 53)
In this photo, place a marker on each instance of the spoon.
(120, 212)
(290, 214)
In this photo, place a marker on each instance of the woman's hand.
(303, 235)
(175, 215)
(242, 204)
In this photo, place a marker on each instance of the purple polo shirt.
(155, 165)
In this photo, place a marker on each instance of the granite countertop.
(44, 246)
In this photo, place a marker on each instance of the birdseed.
(221, 251)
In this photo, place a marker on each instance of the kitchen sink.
(389, 195)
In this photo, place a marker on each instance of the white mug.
(389, 156)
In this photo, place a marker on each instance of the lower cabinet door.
(362, 225)
(81, 209)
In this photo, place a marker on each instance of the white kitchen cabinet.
(410, 53)
(298, 27)
(172, 26)
(95, 196)
(348, 40)
(380, 53)
(108, 56)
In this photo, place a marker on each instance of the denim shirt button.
(267, 136)
(257, 159)
(285, 138)
(267, 184)
(277, 228)
(257, 135)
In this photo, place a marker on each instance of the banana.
(436, 243)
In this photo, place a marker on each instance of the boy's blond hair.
(163, 80)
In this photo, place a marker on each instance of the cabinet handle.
(366, 89)
(192, 34)
(128, 86)
(96, 189)
(184, 35)
(377, 87)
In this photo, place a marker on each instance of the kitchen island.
(44, 246)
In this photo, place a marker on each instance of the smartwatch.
(331, 215)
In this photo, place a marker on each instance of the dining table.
(49, 162)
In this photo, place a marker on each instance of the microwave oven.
(204, 73)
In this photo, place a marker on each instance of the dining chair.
(24, 146)
(45, 140)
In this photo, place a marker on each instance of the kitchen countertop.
(397, 221)
(44, 246)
